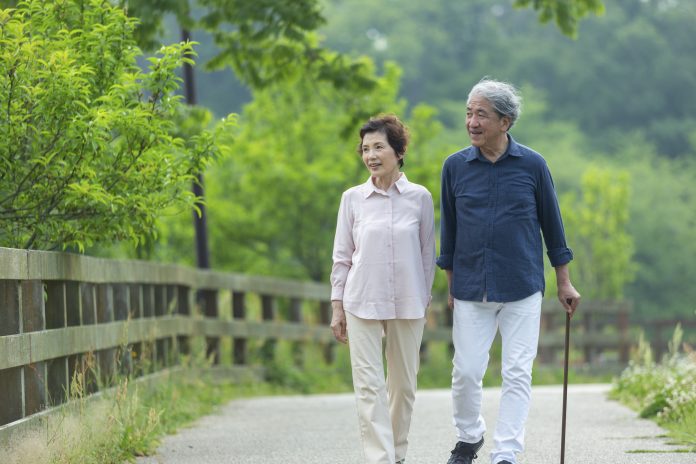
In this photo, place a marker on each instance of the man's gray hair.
(503, 97)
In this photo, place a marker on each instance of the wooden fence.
(659, 333)
(62, 313)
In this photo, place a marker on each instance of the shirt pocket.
(518, 201)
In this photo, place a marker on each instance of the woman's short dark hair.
(391, 126)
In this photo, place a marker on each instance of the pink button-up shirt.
(384, 251)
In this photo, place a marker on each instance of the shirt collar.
(368, 188)
(513, 149)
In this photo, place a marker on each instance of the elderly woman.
(383, 269)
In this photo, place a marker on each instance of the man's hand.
(567, 295)
(450, 298)
(569, 298)
(338, 321)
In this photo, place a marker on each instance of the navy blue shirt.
(492, 218)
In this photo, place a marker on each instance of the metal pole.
(199, 222)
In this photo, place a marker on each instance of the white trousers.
(384, 406)
(474, 328)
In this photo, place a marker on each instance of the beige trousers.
(384, 407)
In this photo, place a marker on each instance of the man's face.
(486, 128)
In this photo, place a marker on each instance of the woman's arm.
(427, 240)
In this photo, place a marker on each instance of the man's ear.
(506, 122)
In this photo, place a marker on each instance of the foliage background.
(612, 111)
(614, 101)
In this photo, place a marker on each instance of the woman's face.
(379, 157)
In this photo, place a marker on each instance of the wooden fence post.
(105, 313)
(33, 320)
(295, 315)
(325, 320)
(208, 301)
(11, 406)
(160, 311)
(624, 343)
(268, 313)
(85, 363)
(545, 325)
(171, 342)
(56, 318)
(588, 325)
(183, 309)
(239, 354)
(137, 311)
(121, 298)
(135, 295)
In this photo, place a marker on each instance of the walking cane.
(565, 384)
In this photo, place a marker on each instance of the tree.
(273, 204)
(637, 48)
(86, 150)
(663, 220)
(264, 41)
(597, 229)
(566, 13)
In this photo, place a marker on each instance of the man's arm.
(448, 231)
(557, 250)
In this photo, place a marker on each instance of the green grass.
(129, 419)
(664, 391)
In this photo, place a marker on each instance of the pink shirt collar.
(368, 188)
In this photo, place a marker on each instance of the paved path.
(322, 429)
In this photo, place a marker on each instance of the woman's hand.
(338, 321)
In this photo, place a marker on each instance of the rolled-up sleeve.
(551, 222)
(448, 221)
(343, 249)
(427, 239)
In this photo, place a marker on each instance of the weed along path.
(322, 429)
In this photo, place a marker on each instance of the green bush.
(662, 390)
(87, 153)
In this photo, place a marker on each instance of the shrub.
(86, 151)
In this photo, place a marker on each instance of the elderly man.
(497, 196)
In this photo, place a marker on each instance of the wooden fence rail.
(63, 315)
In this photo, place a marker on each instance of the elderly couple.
(497, 201)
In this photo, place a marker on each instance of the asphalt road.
(322, 429)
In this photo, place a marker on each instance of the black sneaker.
(465, 453)
(504, 462)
